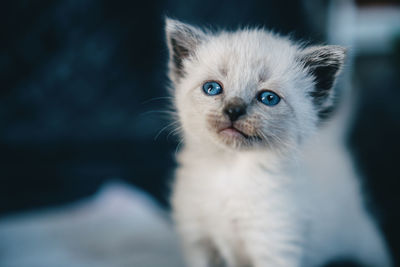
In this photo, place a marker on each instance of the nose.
(235, 109)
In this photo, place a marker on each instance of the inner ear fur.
(324, 64)
(182, 40)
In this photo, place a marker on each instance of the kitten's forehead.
(246, 58)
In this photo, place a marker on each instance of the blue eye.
(268, 98)
(212, 88)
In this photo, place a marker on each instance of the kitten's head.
(249, 89)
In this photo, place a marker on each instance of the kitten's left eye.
(268, 98)
(212, 88)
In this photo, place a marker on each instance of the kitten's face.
(242, 90)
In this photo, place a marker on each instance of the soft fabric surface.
(120, 226)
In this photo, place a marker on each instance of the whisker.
(156, 99)
(164, 128)
(174, 131)
(165, 112)
(178, 146)
(171, 113)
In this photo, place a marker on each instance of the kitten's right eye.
(268, 98)
(212, 88)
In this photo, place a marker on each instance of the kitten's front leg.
(275, 249)
(200, 253)
(275, 234)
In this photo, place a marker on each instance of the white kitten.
(260, 181)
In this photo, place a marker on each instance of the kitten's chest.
(223, 202)
(227, 206)
(226, 198)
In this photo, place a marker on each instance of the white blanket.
(120, 226)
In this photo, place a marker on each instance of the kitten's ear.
(324, 64)
(182, 40)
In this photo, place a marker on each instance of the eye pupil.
(268, 98)
(212, 88)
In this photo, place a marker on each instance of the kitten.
(260, 182)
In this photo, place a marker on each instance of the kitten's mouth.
(237, 134)
(231, 131)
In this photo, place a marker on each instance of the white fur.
(261, 206)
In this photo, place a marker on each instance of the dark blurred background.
(82, 81)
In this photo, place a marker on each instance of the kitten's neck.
(199, 154)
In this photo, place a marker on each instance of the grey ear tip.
(171, 23)
(345, 50)
(341, 50)
(169, 20)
